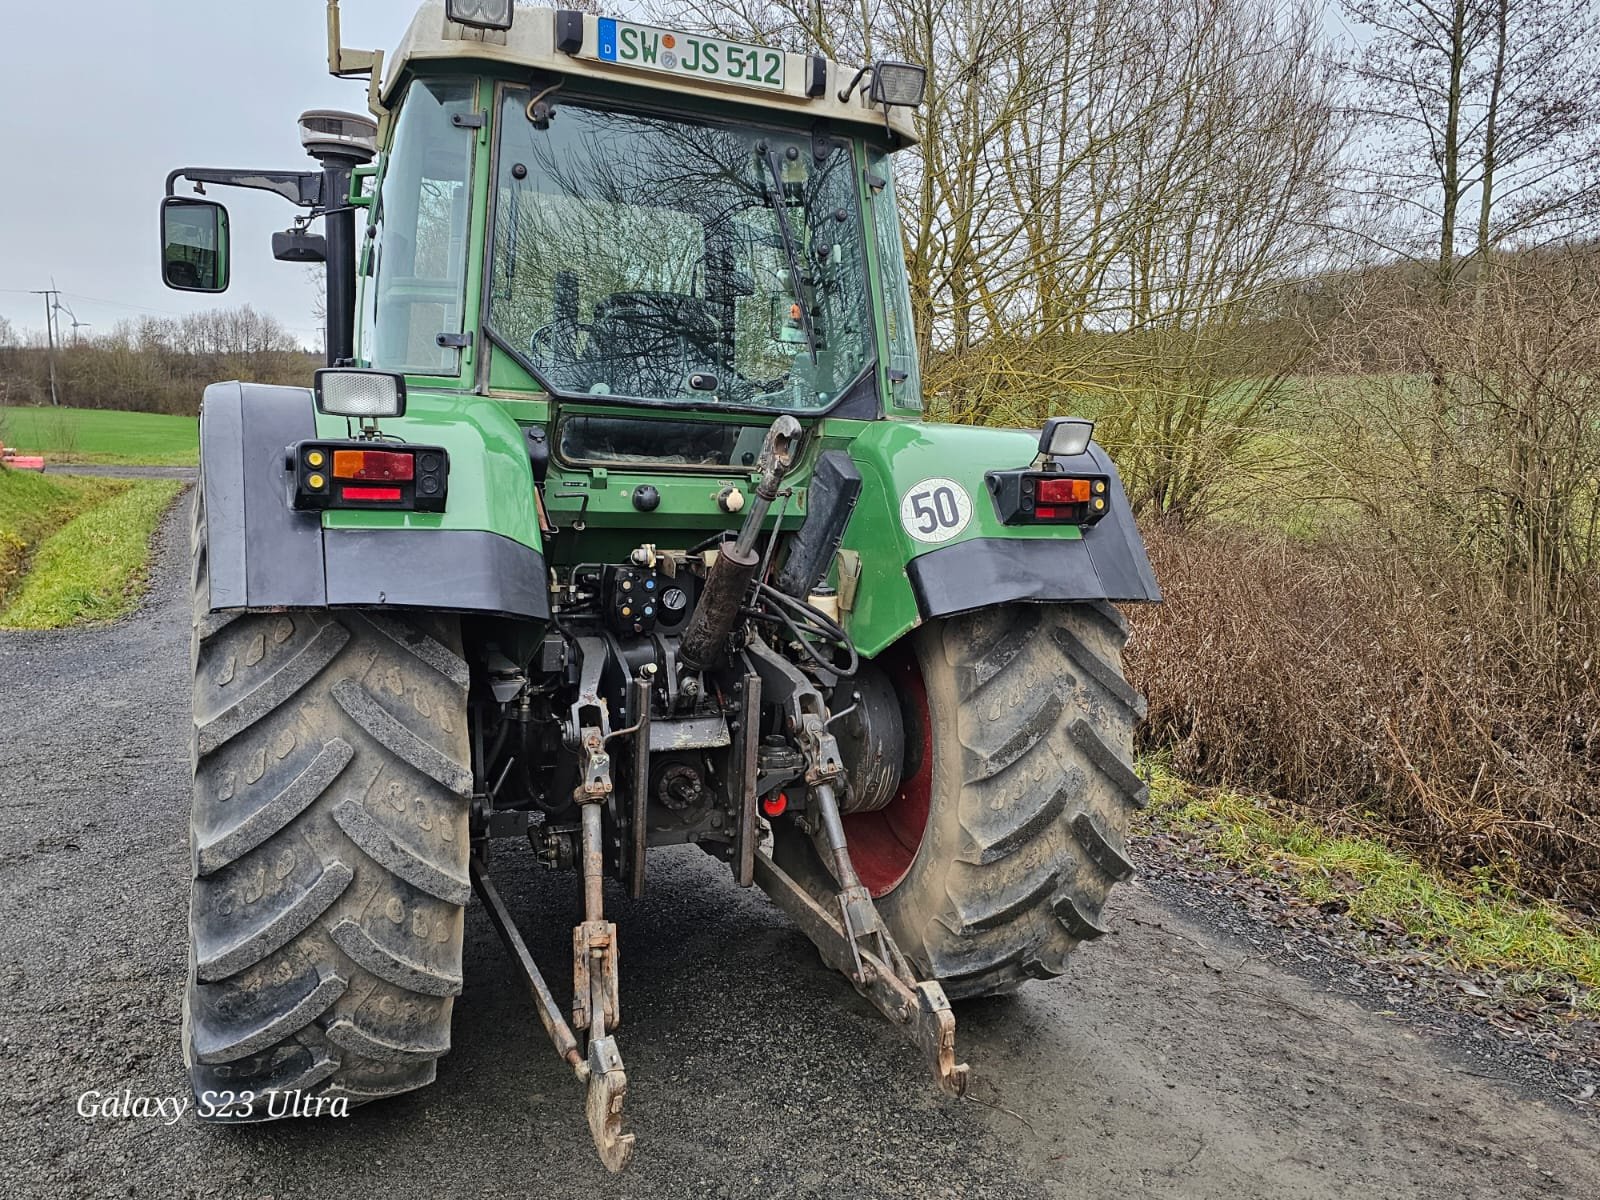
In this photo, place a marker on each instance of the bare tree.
(1492, 101)
(161, 364)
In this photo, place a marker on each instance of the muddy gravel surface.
(1530, 1030)
(1177, 1059)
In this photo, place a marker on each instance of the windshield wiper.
(775, 198)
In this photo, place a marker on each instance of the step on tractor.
(613, 523)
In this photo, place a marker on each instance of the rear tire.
(329, 844)
(1027, 786)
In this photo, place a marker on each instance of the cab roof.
(531, 43)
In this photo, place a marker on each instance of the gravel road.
(1172, 1061)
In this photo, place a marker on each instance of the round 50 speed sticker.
(935, 510)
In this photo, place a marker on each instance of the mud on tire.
(329, 843)
(1032, 791)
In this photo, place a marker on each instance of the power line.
(52, 301)
(162, 312)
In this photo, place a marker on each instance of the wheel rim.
(884, 844)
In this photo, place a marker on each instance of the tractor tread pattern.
(346, 1033)
(330, 840)
(1045, 720)
(1116, 769)
(220, 849)
(1076, 921)
(290, 1020)
(989, 910)
(272, 692)
(253, 943)
(983, 765)
(364, 709)
(1107, 675)
(994, 658)
(412, 640)
(319, 1069)
(417, 1077)
(363, 948)
(1101, 848)
(1001, 833)
(367, 832)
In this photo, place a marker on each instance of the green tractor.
(611, 524)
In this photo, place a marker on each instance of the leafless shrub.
(159, 365)
(1426, 659)
(1472, 441)
(1333, 674)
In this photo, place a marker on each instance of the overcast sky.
(104, 97)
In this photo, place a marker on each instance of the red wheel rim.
(884, 844)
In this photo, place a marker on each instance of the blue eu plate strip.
(608, 39)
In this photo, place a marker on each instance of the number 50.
(937, 508)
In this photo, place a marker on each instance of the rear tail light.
(331, 475)
(1062, 491)
(1044, 498)
(374, 464)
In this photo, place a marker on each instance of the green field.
(72, 549)
(89, 435)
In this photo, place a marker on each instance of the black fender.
(262, 553)
(1107, 563)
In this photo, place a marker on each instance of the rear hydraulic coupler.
(728, 581)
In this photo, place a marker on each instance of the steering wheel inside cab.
(645, 343)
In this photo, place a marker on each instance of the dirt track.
(1172, 1061)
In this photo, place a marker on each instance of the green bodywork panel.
(893, 457)
(491, 484)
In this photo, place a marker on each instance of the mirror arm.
(300, 188)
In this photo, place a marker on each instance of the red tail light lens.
(379, 465)
(370, 493)
(1063, 491)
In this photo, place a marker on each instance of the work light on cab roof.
(481, 14)
(613, 523)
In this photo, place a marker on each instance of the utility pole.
(52, 297)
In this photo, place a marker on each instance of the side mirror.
(194, 245)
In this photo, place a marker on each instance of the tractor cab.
(642, 218)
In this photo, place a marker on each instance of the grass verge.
(1474, 924)
(32, 507)
(92, 435)
(93, 567)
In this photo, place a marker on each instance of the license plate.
(653, 49)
